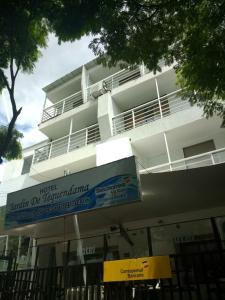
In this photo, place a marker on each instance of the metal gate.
(196, 276)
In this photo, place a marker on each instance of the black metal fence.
(196, 276)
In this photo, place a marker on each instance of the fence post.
(158, 96)
(63, 107)
(50, 150)
(212, 159)
(133, 119)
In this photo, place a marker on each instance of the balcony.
(201, 160)
(67, 143)
(149, 112)
(118, 79)
(114, 81)
(62, 106)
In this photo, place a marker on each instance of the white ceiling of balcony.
(83, 116)
(99, 72)
(178, 138)
(164, 194)
(65, 89)
(143, 89)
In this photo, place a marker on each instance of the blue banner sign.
(104, 186)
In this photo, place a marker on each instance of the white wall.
(15, 184)
(12, 169)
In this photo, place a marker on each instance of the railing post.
(133, 119)
(158, 96)
(167, 150)
(50, 150)
(142, 69)
(86, 137)
(34, 157)
(70, 132)
(68, 146)
(63, 107)
(212, 159)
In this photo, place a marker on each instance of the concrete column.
(33, 252)
(7, 245)
(79, 246)
(105, 115)
(19, 248)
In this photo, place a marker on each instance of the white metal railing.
(67, 143)
(62, 106)
(149, 112)
(113, 81)
(201, 160)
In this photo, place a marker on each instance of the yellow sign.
(144, 268)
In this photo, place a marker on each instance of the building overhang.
(164, 194)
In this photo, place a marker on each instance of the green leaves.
(192, 33)
(14, 149)
(23, 32)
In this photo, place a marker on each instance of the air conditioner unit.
(99, 90)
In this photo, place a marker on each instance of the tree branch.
(4, 79)
(17, 70)
(5, 145)
(11, 70)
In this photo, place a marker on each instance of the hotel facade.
(96, 116)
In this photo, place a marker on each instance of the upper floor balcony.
(69, 143)
(205, 159)
(117, 79)
(89, 91)
(149, 112)
(62, 106)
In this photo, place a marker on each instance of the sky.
(56, 61)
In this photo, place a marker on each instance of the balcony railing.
(62, 106)
(113, 81)
(149, 112)
(68, 143)
(201, 160)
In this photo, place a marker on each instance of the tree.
(23, 30)
(14, 149)
(188, 32)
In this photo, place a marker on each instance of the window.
(199, 148)
(27, 164)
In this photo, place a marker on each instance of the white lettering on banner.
(104, 186)
(48, 197)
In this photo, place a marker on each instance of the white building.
(95, 115)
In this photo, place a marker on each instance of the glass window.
(127, 244)
(24, 258)
(182, 237)
(89, 250)
(13, 243)
(46, 256)
(199, 148)
(27, 164)
(2, 244)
